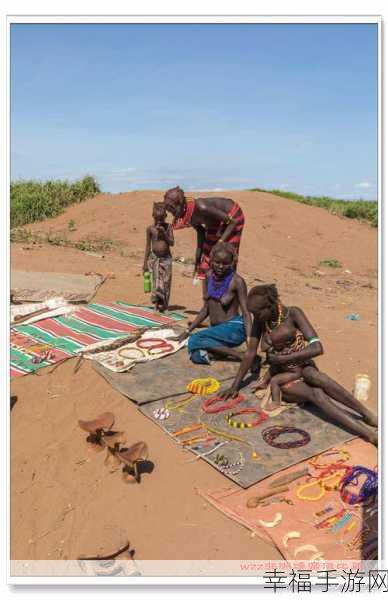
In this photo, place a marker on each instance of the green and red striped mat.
(87, 325)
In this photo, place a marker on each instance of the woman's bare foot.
(272, 406)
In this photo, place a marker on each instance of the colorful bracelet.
(271, 434)
(122, 351)
(203, 387)
(262, 416)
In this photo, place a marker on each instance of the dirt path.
(60, 489)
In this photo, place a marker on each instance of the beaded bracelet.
(272, 433)
(204, 386)
(344, 453)
(262, 416)
(123, 353)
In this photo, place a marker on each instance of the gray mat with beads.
(324, 435)
(164, 378)
(151, 384)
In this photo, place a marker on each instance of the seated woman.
(225, 296)
(272, 316)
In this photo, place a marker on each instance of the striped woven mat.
(57, 338)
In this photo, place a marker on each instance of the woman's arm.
(200, 240)
(242, 294)
(147, 249)
(313, 349)
(201, 316)
(216, 214)
(247, 361)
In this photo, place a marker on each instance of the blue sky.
(203, 106)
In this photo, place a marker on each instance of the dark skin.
(229, 305)
(159, 239)
(317, 388)
(279, 339)
(208, 212)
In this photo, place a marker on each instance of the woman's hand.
(229, 393)
(181, 337)
(276, 360)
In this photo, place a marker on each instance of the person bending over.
(214, 219)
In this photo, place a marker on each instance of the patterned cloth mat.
(302, 516)
(323, 435)
(57, 338)
(164, 378)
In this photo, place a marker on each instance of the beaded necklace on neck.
(218, 287)
(282, 316)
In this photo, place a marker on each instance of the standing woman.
(315, 387)
(215, 220)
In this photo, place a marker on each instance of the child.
(280, 342)
(157, 257)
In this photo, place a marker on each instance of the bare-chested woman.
(315, 387)
(225, 303)
(214, 219)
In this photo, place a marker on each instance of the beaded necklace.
(215, 404)
(367, 490)
(282, 316)
(272, 433)
(218, 287)
(262, 416)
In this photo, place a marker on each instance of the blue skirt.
(230, 334)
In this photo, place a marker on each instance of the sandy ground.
(57, 495)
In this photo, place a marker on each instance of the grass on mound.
(365, 210)
(35, 200)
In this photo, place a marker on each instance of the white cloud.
(363, 184)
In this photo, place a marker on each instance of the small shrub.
(331, 262)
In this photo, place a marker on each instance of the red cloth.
(213, 234)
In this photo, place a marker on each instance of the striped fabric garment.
(51, 340)
(213, 234)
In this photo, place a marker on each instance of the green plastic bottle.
(147, 282)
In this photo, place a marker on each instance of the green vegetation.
(331, 262)
(88, 244)
(35, 200)
(71, 225)
(365, 210)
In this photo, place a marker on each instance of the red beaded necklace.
(212, 405)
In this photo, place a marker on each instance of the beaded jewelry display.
(271, 434)
(204, 386)
(215, 404)
(368, 489)
(262, 416)
(128, 353)
(226, 466)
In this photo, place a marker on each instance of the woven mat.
(68, 333)
(323, 434)
(300, 516)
